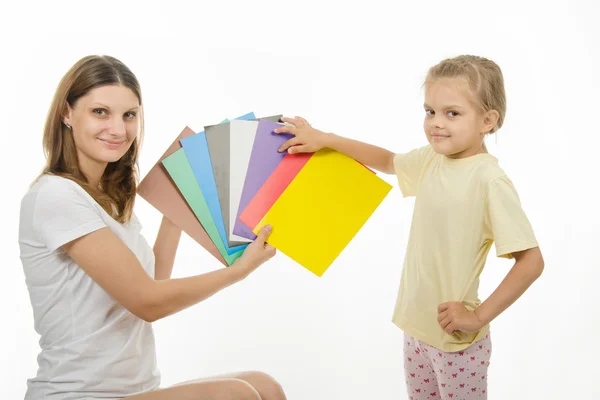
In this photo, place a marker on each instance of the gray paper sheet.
(218, 138)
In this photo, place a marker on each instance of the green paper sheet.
(181, 172)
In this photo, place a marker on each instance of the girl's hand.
(306, 138)
(454, 316)
(256, 253)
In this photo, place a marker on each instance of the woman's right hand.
(256, 253)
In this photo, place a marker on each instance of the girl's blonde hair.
(117, 188)
(485, 80)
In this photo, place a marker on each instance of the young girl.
(94, 282)
(464, 202)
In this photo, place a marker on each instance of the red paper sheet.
(279, 180)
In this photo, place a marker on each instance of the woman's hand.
(306, 138)
(256, 253)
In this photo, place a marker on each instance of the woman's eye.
(130, 115)
(99, 111)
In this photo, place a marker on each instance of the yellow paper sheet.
(323, 208)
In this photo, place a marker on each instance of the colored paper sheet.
(181, 172)
(158, 190)
(264, 158)
(196, 149)
(198, 155)
(218, 139)
(242, 134)
(219, 143)
(323, 208)
(274, 186)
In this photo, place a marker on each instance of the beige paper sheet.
(160, 191)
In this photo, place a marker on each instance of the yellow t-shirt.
(462, 206)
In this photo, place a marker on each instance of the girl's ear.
(490, 119)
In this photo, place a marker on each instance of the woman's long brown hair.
(117, 189)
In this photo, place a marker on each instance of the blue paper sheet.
(198, 155)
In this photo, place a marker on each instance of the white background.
(355, 70)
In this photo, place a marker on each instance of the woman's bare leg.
(214, 389)
(266, 386)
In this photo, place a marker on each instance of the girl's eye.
(428, 112)
(453, 112)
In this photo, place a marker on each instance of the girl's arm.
(367, 154)
(165, 248)
(308, 140)
(111, 264)
(528, 266)
(454, 316)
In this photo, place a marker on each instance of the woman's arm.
(165, 248)
(117, 270)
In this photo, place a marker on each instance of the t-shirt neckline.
(467, 160)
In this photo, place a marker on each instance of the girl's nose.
(436, 124)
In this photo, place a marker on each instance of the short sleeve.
(408, 168)
(506, 221)
(63, 212)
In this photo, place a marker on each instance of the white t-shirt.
(91, 346)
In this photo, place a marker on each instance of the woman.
(94, 282)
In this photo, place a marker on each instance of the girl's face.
(104, 124)
(453, 125)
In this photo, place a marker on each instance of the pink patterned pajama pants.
(435, 375)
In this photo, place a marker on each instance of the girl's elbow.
(530, 263)
(389, 167)
(540, 265)
(536, 266)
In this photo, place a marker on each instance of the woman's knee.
(267, 386)
(213, 389)
(239, 389)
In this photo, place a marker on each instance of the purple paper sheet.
(263, 161)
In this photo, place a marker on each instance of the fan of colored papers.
(222, 185)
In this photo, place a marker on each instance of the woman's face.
(104, 124)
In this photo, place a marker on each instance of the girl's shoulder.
(494, 179)
(489, 170)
